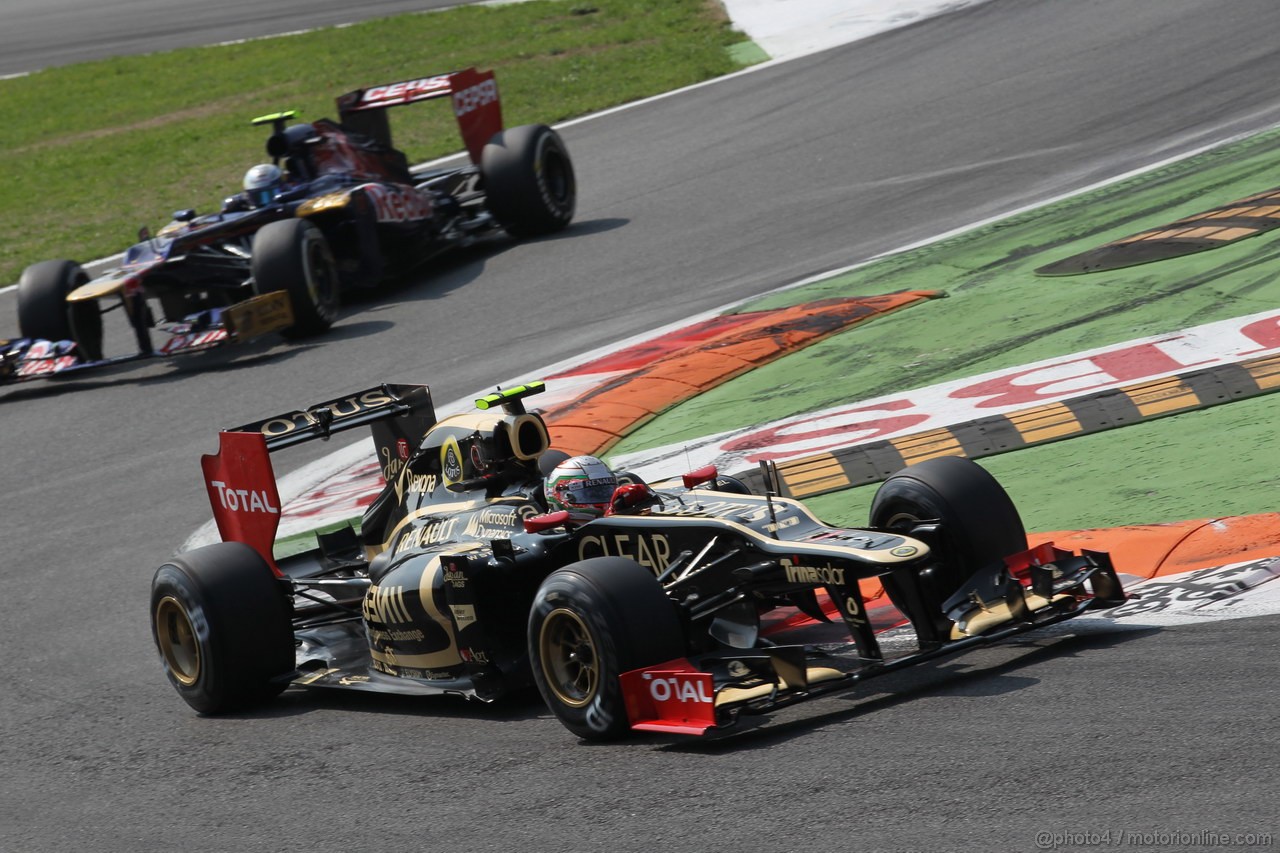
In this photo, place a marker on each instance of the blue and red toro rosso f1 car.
(337, 208)
(684, 609)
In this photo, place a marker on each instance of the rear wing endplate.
(241, 481)
(474, 96)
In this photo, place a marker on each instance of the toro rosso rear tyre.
(529, 181)
(978, 525)
(590, 622)
(222, 623)
(293, 255)
(43, 310)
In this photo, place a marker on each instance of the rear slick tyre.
(529, 182)
(222, 623)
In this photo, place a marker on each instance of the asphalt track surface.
(687, 203)
(37, 34)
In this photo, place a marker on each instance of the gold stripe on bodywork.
(96, 290)
(435, 660)
(324, 203)
(992, 615)
(446, 509)
(767, 543)
(813, 675)
(449, 655)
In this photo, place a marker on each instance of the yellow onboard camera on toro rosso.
(683, 610)
(338, 207)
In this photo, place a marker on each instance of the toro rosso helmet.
(582, 485)
(262, 184)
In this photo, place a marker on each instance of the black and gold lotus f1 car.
(684, 609)
(343, 211)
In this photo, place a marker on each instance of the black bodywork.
(655, 617)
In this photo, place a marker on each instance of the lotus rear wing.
(474, 96)
(241, 481)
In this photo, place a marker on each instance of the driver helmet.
(262, 183)
(582, 485)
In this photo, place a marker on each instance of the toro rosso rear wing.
(242, 484)
(474, 95)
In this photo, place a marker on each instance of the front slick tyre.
(590, 622)
(222, 624)
(44, 312)
(528, 179)
(979, 526)
(293, 255)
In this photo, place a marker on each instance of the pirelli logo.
(1145, 401)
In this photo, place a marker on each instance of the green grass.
(92, 151)
(1000, 314)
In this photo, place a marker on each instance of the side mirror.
(184, 215)
(706, 473)
(632, 498)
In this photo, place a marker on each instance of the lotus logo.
(451, 461)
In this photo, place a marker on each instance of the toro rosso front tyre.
(590, 622)
(293, 255)
(44, 312)
(528, 180)
(222, 623)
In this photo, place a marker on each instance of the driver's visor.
(591, 491)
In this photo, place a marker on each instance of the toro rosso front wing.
(24, 359)
(32, 358)
(705, 693)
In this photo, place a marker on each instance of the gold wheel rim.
(321, 286)
(176, 637)
(901, 520)
(569, 660)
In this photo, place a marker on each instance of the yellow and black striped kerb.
(1117, 407)
(1209, 230)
